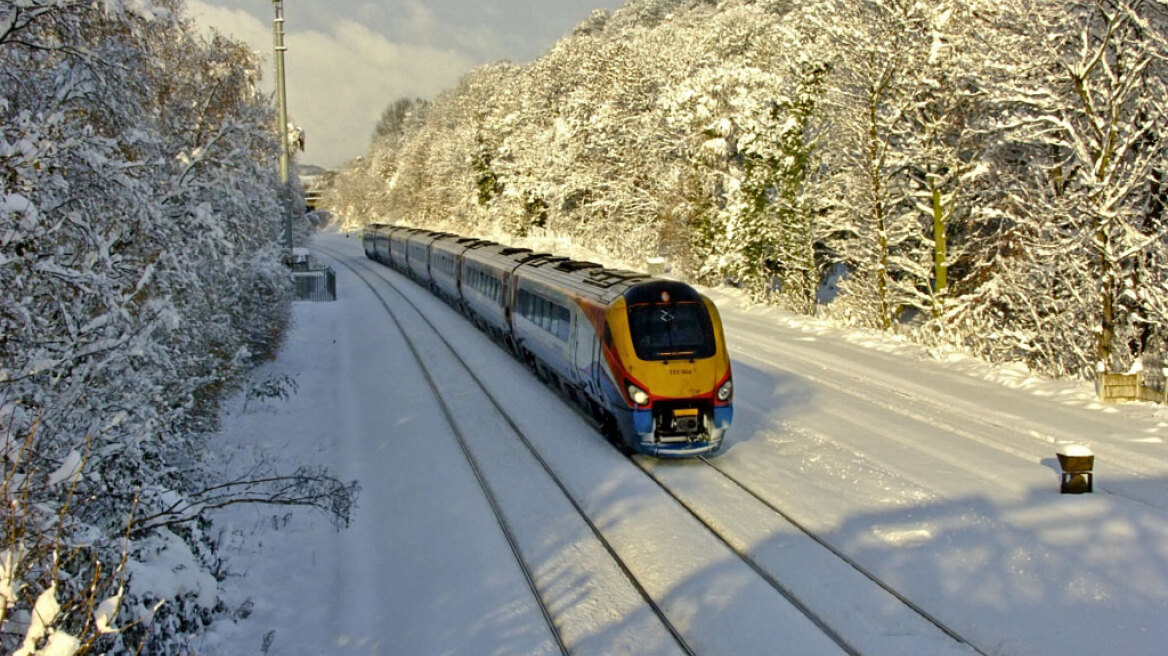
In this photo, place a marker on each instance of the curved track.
(504, 525)
(848, 639)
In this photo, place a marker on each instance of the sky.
(930, 470)
(349, 59)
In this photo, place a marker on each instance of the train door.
(586, 352)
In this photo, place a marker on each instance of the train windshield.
(671, 331)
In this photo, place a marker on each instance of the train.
(644, 356)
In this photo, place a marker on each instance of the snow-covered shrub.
(57, 596)
(140, 275)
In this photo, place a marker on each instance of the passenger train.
(645, 356)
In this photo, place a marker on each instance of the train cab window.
(670, 331)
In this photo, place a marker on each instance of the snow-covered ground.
(934, 472)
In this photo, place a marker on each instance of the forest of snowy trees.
(984, 173)
(141, 273)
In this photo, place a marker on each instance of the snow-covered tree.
(988, 173)
(140, 274)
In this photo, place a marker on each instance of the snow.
(167, 568)
(9, 561)
(69, 471)
(934, 471)
(1075, 451)
(43, 614)
(103, 617)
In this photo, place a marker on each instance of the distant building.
(314, 180)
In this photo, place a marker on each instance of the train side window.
(553, 318)
(563, 322)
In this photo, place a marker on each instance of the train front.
(673, 369)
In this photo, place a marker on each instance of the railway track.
(845, 636)
(744, 552)
(1021, 440)
(473, 462)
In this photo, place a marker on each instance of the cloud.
(340, 77)
(235, 23)
(340, 81)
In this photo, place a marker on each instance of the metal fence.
(315, 285)
(313, 280)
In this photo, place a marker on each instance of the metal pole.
(282, 100)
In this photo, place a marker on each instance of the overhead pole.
(282, 104)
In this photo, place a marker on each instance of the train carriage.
(369, 240)
(650, 353)
(487, 292)
(398, 255)
(545, 318)
(418, 254)
(445, 256)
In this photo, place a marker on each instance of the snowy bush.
(140, 275)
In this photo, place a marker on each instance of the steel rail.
(488, 492)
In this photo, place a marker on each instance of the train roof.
(455, 244)
(585, 278)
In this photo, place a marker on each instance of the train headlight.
(726, 391)
(638, 395)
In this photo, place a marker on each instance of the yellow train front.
(646, 356)
(671, 388)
